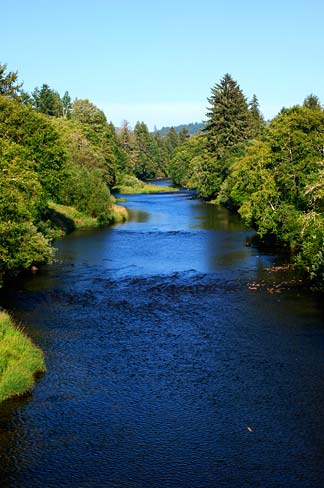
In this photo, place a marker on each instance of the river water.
(166, 366)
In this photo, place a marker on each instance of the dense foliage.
(148, 155)
(272, 174)
(54, 152)
(278, 184)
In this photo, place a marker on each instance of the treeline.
(142, 154)
(273, 173)
(148, 155)
(57, 151)
(190, 129)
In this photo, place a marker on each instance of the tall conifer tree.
(145, 165)
(9, 85)
(228, 116)
(256, 120)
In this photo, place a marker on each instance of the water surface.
(164, 369)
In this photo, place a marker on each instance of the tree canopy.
(9, 85)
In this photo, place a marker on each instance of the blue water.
(165, 368)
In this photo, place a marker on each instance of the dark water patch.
(160, 359)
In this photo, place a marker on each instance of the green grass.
(143, 188)
(121, 200)
(130, 185)
(69, 218)
(120, 213)
(20, 360)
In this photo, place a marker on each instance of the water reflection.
(138, 216)
(216, 217)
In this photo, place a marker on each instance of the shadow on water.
(164, 369)
(138, 216)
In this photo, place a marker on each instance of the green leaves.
(41, 142)
(47, 101)
(21, 199)
(229, 126)
(228, 116)
(9, 85)
(181, 168)
(277, 185)
(87, 113)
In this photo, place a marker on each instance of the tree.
(21, 125)
(125, 137)
(277, 185)
(47, 101)
(145, 163)
(228, 117)
(21, 203)
(66, 104)
(87, 113)
(181, 168)
(256, 120)
(183, 135)
(126, 143)
(312, 101)
(9, 85)
(296, 137)
(86, 190)
(162, 154)
(172, 141)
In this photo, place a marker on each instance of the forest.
(57, 152)
(60, 158)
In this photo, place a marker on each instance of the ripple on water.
(155, 376)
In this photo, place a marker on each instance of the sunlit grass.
(119, 213)
(20, 360)
(144, 188)
(69, 218)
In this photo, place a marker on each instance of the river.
(166, 366)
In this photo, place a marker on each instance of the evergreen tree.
(9, 85)
(183, 135)
(47, 101)
(145, 164)
(162, 154)
(125, 137)
(312, 101)
(66, 104)
(127, 143)
(172, 141)
(228, 117)
(256, 120)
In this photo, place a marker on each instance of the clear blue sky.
(144, 60)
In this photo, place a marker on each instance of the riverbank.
(130, 185)
(66, 219)
(146, 188)
(20, 360)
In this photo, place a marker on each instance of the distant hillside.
(192, 128)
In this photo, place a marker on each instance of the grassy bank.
(130, 185)
(144, 188)
(20, 360)
(120, 214)
(68, 219)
